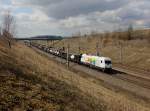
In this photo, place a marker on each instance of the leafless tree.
(149, 36)
(94, 33)
(130, 32)
(0, 32)
(8, 28)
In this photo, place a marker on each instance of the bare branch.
(9, 28)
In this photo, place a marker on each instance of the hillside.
(135, 52)
(26, 86)
(31, 81)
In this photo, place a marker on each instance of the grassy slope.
(23, 86)
(31, 81)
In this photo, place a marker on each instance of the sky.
(67, 17)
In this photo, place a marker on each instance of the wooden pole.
(101, 44)
(97, 49)
(47, 42)
(121, 53)
(68, 56)
(79, 50)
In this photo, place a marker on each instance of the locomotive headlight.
(72, 56)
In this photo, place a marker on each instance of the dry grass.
(25, 85)
(36, 82)
(114, 101)
(136, 52)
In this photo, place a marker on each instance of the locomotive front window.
(107, 62)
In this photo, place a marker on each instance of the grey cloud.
(74, 15)
(40, 3)
(76, 7)
(135, 11)
(131, 14)
(61, 9)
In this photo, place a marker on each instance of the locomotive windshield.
(107, 62)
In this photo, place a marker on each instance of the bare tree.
(0, 32)
(149, 36)
(130, 32)
(9, 28)
(94, 33)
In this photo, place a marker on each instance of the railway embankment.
(97, 75)
(32, 81)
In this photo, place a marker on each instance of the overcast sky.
(64, 17)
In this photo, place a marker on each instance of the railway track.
(140, 84)
(134, 79)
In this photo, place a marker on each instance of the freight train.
(102, 63)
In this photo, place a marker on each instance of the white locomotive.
(103, 63)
